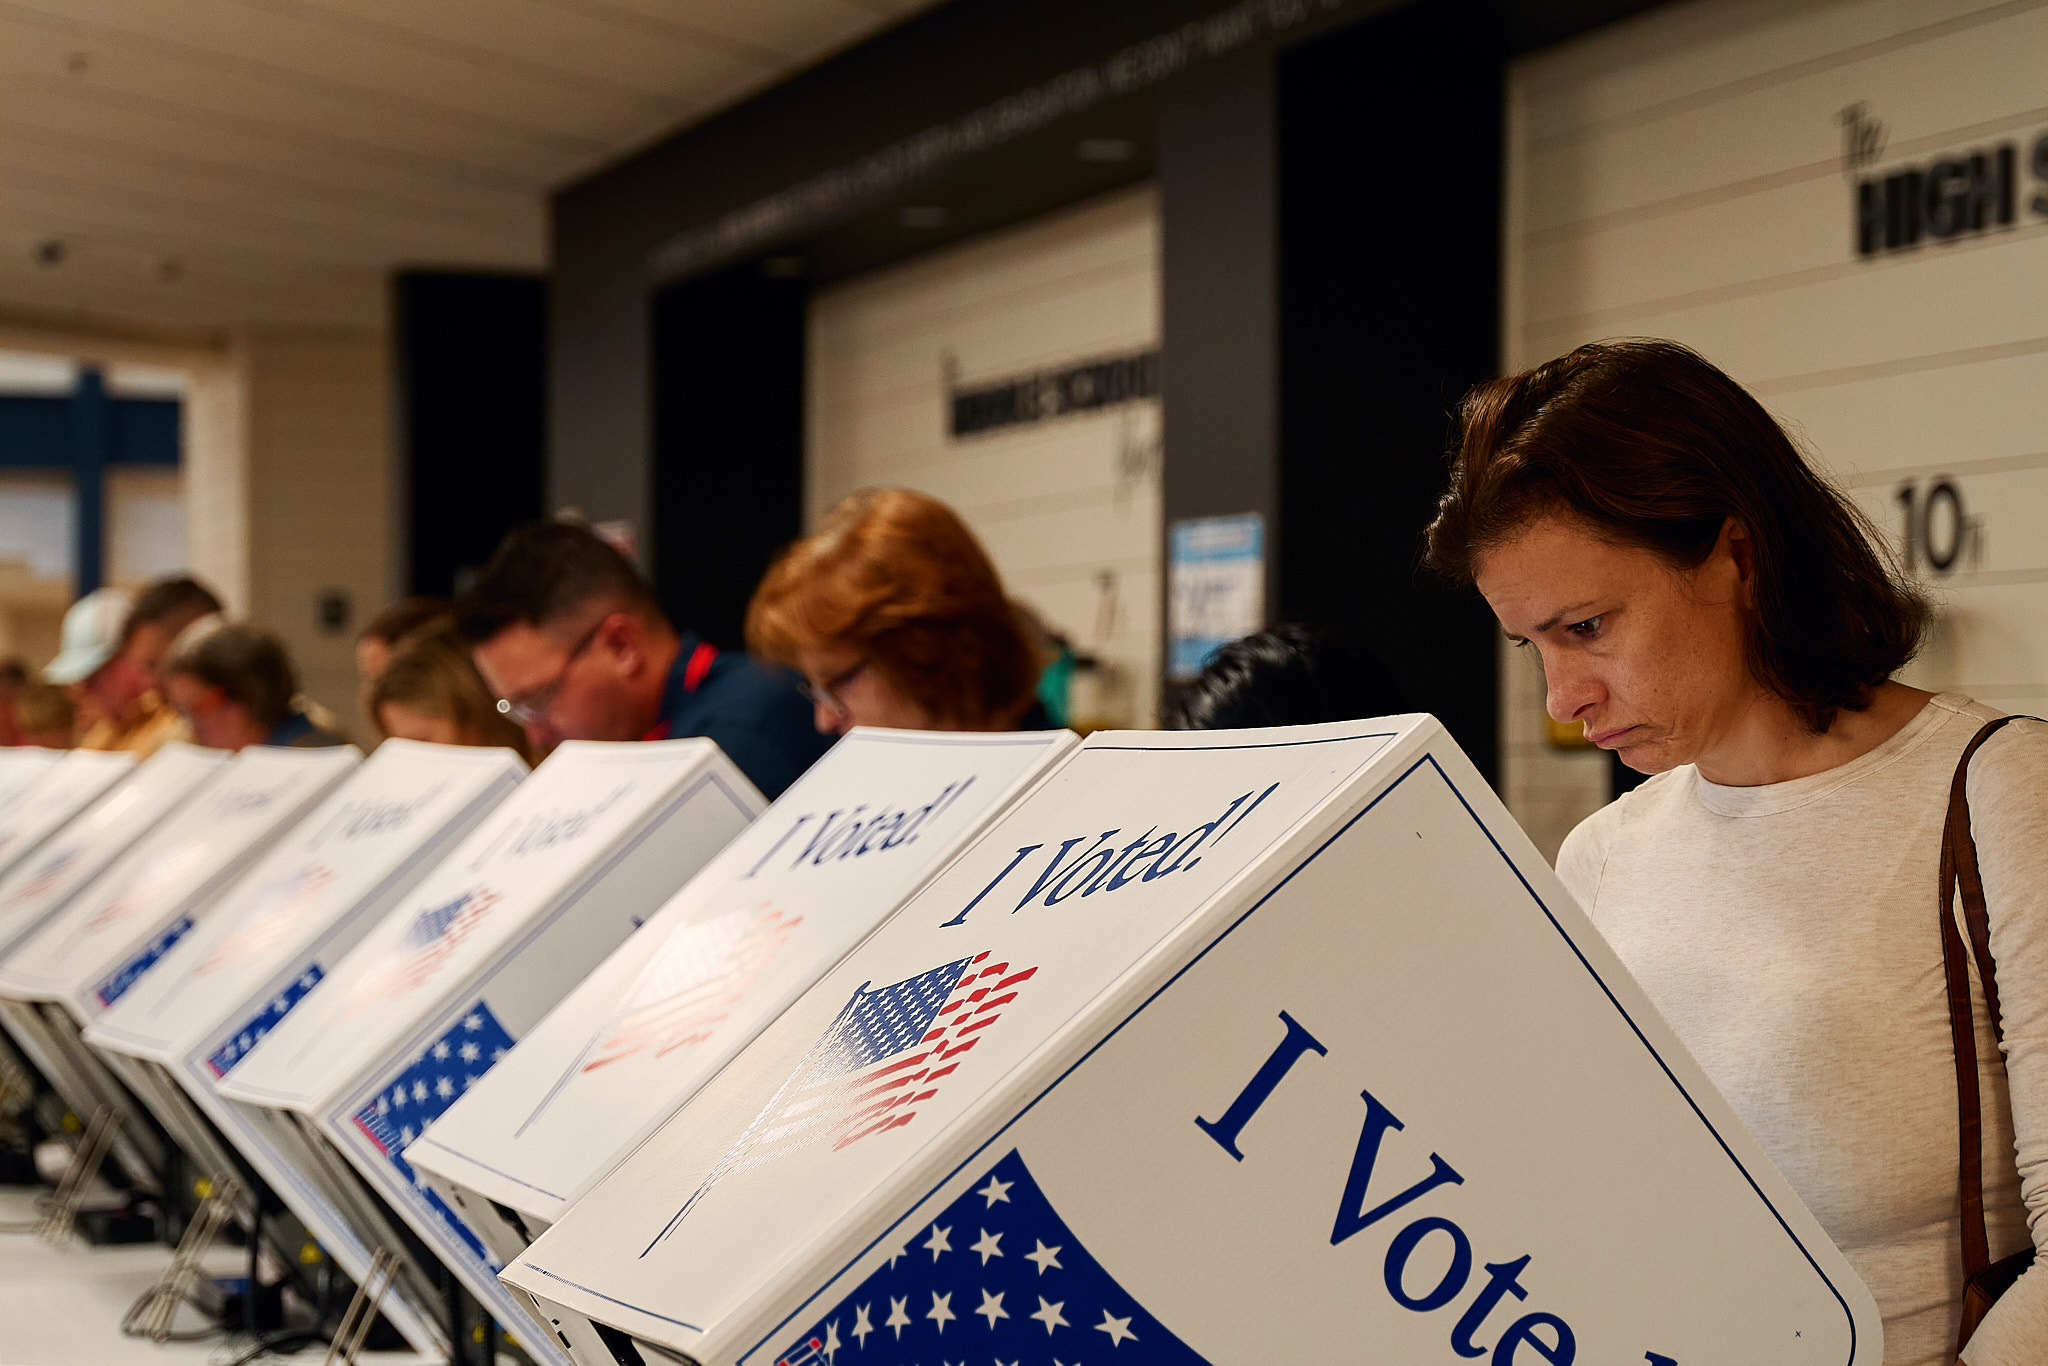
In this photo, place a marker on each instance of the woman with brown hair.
(1710, 608)
(894, 615)
(429, 690)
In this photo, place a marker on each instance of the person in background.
(894, 615)
(571, 640)
(45, 715)
(110, 701)
(115, 672)
(160, 615)
(13, 677)
(381, 638)
(1710, 607)
(430, 690)
(235, 686)
(1290, 675)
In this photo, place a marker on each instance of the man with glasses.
(570, 638)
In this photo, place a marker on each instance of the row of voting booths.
(1226, 1047)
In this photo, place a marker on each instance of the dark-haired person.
(895, 616)
(1708, 606)
(1293, 674)
(235, 686)
(570, 638)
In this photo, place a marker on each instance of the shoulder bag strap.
(1959, 867)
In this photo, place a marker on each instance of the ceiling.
(199, 165)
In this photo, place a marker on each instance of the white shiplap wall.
(1682, 176)
(1068, 508)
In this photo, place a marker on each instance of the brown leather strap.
(1959, 868)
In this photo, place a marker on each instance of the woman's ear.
(1735, 542)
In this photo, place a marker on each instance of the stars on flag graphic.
(883, 1055)
(433, 935)
(223, 1059)
(997, 1275)
(423, 1091)
(683, 994)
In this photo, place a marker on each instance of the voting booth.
(55, 792)
(1231, 1047)
(831, 859)
(21, 767)
(525, 907)
(94, 949)
(63, 863)
(272, 939)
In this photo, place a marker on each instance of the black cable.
(284, 1342)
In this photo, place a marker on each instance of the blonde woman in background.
(429, 690)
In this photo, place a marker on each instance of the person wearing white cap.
(119, 705)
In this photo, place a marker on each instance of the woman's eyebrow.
(1568, 614)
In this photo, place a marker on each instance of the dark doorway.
(471, 416)
(728, 352)
(1389, 188)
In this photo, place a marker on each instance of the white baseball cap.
(92, 636)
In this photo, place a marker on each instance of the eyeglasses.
(528, 709)
(826, 694)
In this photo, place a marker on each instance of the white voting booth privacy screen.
(89, 953)
(57, 792)
(59, 868)
(550, 883)
(835, 855)
(273, 937)
(1233, 1047)
(21, 767)
(117, 801)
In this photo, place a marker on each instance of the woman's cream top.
(1788, 934)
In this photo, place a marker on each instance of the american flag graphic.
(693, 983)
(883, 1056)
(432, 936)
(273, 912)
(146, 882)
(223, 1059)
(996, 1275)
(46, 878)
(684, 993)
(129, 973)
(419, 1095)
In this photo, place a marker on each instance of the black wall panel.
(728, 389)
(469, 417)
(1390, 171)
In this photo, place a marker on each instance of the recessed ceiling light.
(1106, 149)
(923, 216)
(50, 252)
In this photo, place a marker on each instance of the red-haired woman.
(894, 615)
(1711, 609)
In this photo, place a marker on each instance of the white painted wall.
(317, 424)
(1069, 508)
(1681, 175)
